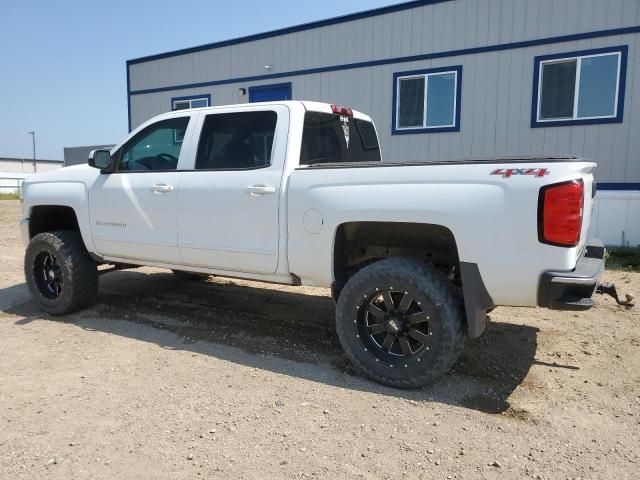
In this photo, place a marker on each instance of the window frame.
(190, 99)
(578, 56)
(356, 121)
(425, 73)
(198, 138)
(118, 149)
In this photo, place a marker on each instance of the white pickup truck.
(296, 193)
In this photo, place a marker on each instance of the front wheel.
(400, 323)
(60, 274)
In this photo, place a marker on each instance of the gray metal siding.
(496, 86)
(80, 155)
(444, 26)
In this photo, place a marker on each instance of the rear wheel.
(60, 274)
(400, 323)
(189, 276)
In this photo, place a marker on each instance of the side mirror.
(100, 159)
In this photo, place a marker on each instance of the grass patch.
(9, 196)
(627, 259)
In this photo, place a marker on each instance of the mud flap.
(476, 299)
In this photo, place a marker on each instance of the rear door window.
(235, 141)
(332, 138)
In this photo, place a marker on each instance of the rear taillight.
(560, 209)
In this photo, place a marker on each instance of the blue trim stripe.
(389, 61)
(623, 50)
(456, 126)
(297, 28)
(620, 186)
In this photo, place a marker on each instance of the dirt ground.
(242, 380)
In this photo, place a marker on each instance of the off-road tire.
(79, 272)
(189, 276)
(446, 326)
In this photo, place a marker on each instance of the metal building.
(445, 79)
(28, 165)
(80, 155)
(14, 170)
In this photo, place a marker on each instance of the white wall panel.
(616, 218)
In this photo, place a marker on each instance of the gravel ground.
(234, 379)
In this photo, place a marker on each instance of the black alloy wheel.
(48, 275)
(61, 275)
(395, 325)
(401, 322)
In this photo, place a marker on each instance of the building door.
(270, 93)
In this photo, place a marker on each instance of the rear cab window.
(330, 138)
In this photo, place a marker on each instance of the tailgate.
(589, 198)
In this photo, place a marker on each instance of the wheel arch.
(68, 199)
(357, 244)
(47, 218)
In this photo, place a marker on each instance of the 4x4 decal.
(510, 172)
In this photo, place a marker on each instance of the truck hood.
(65, 174)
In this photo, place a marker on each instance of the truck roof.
(307, 104)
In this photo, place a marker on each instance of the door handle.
(162, 188)
(259, 190)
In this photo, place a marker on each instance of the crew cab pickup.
(296, 193)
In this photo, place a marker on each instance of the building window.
(194, 101)
(579, 87)
(427, 101)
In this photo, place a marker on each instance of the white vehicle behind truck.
(296, 193)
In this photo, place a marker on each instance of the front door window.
(156, 148)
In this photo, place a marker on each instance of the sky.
(63, 63)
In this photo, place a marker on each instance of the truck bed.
(466, 161)
(490, 206)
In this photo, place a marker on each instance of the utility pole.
(33, 138)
